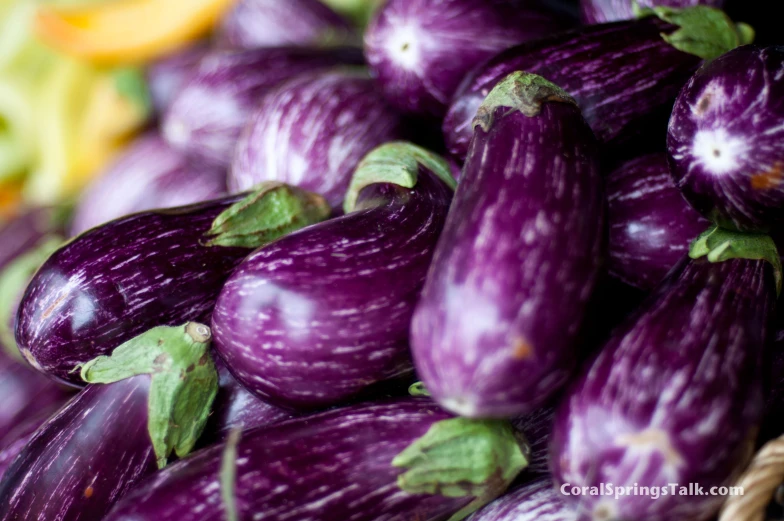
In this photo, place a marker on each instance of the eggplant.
(312, 132)
(12, 443)
(603, 11)
(536, 427)
(535, 501)
(420, 50)
(494, 333)
(676, 394)
(726, 139)
(621, 74)
(651, 224)
(153, 268)
(148, 175)
(206, 116)
(252, 24)
(166, 76)
(372, 462)
(316, 317)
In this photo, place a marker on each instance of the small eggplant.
(420, 50)
(726, 139)
(206, 116)
(621, 74)
(379, 461)
(167, 76)
(312, 132)
(494, 334)
(148, 175)
(537, 500)
(676, 395)
(651, 224)
(317, 316)
(603, 11)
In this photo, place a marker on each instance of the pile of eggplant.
(497, 260)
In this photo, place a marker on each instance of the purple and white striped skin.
(675, 396)
(619, 74)
(12, 443)
(603, 11)
(149, 174)
(494, 333)
(316, 317)
(82, 460)
(538, 500)
(206, 116)
(165, 77)
(312, 132)
(333, 466)
(118, 280)
(253, 24)
(726, 139)
(537, 427)
(651, 224)
(420, 50)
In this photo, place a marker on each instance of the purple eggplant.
(621, 74)
(253, 24)
(651, 224)
(538, 500)
(676, 395)
(316, 317)
(148, 175)
(343, 464)
(495, 330)
(207, 115)
(603, 11)
(536, 427)
(726, 139)
(167, 76)
(154, 268)
(420, 50)
(312, 132)
(12, 443)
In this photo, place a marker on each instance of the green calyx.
(13, 280)
(703, 31)
(228, 475)
(718, 245)
(418, 389)
(273, 210)
(183, 383)
(396, 162)
(519, 91)
(461, 457)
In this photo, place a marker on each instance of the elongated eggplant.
(253, 24)
(651, 224)
(420, 50)
(12, 443)
(317, 316)
(167, 76)
(148, 175)
(603, 11)
(494, 332)
(676, 395)
(726, 139)
(619, 73)
(312, 132)
(154, 268)
(207, 115)
(380, 461)
(538, 500)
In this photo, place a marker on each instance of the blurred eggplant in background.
(166, 76)
(603, 11)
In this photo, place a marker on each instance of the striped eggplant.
(166, 76)
(651, 224)
(382, 461)
(536, 428)
(312, 132)
(495, 330)
(420, 50)
(252, 24)
(148, 175)
(537, 500)
(316, 317)
(12, 443)
(676, 394)
(603, 11)
(726, 139)
(207, 114)
(621, 74)
(154, 268)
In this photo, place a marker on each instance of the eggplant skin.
(620, 74)
(651, 224)
(331, 466)
(603, 11)
(312, 132)
(536, 427)
(81, 461)
(317, 316)
(165, 77)
(726, 139)
(494, 332)
(675, 396)
(537, 500)
(118, 280)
